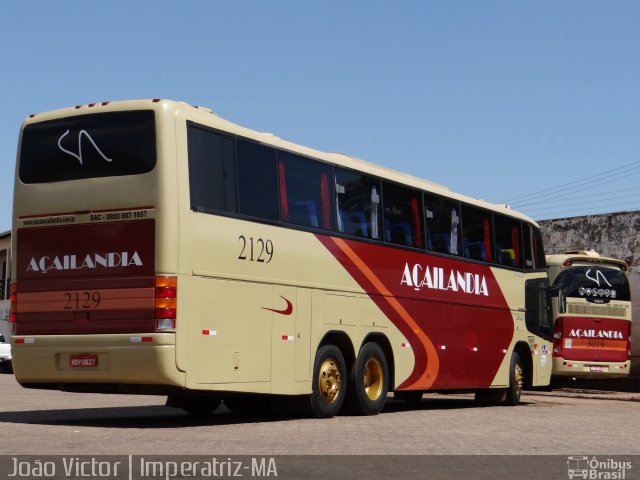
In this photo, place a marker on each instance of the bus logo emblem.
(78, 156)
(286, 311)
(599, 275)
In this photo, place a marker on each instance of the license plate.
(597, 368)
(83, 361)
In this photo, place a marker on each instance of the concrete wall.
(613, 235)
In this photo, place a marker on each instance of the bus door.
(539, 322)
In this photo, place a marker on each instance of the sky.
(531, 103)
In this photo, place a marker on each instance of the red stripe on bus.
(478, 317)
(425, 372)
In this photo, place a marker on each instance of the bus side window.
(257, 180)
(442, 218)
(304, 191)
(533, 248)
(477, 233)
(358, 209)
(507, 239)
(211, 170)
(538, 250)
(402, 219)
(527, 242)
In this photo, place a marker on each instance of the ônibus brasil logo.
(46, 264)
(437, 278)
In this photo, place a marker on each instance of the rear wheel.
(516, 380)
(6, 367)
(368, 381)
(329, 382)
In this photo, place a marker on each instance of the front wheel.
(369, 381)
(516, 381)
(329, 382)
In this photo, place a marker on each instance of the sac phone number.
(99, 217)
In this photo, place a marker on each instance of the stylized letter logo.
(286, 311)
(78, 156)
(599, 275)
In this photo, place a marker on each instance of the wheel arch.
(524, 352)
(341, 340)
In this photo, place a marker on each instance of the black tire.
(6, 367)
(329, 382)
(368, 381)
(516, 381)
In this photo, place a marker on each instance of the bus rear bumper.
(586, 370)
(147, 361)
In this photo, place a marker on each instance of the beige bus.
(592, 315)
(160, 249)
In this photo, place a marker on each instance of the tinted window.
(507, 241)
(442, 218)
(527, 242)
(304, 191)
(402, 215)
(538, 250)
(358, 204)
(595, 283)
(476, 233)
(257, 180)
(538, 307)
(211, 170)
(87, 146)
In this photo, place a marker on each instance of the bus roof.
(583, 256)
(208, 117)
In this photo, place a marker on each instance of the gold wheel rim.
(373, 378)
(518, 379)
(329, 380)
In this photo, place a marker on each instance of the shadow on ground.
(158, 416)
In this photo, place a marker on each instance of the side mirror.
(562, 301)
(2, 339)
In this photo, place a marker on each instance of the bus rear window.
(596, 284)
(88, 146)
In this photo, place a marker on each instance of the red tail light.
(557, 339)
(166, 293)
(13, 315)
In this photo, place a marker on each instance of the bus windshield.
(88, 146)
(596, 284)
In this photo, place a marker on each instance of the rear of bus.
(93, 303)
(592, 312)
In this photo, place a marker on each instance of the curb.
(589, 394)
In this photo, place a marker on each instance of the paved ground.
(565, 423)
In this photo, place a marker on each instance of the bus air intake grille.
(597, 310)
